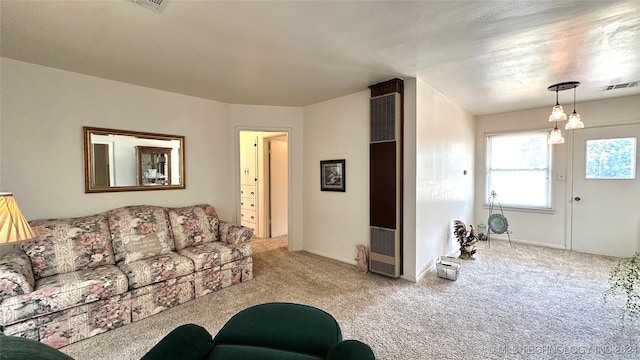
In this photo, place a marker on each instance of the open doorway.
(264, 182)
(277, 184)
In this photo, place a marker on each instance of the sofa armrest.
(234, 234)
(16, 275)
(350, 350)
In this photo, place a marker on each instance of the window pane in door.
(611, 158)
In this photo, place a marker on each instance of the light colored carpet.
(523, 303)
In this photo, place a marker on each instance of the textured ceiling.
(487, 56)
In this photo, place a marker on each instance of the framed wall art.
(332, 175)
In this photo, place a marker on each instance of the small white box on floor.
(448, 267)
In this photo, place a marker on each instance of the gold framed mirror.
(122, 160)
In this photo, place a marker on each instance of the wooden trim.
(87, 150)
(387, 87)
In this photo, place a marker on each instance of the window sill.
(496, 208)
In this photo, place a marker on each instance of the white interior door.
(279, 186)
(605, 211)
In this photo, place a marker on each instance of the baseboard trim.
(320, 253)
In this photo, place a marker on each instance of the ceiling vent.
(152, 4)
(621, 86)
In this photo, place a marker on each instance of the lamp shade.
(574, 122)
(13, 226)
(555, 137)
(557, 114)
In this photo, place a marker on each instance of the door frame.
(570, 141)
(111, 160)
(289, 133)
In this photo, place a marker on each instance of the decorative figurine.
(466, 240)
(361, 259)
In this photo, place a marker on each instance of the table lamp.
(13, 226)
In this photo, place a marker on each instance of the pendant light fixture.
(555, 137)
(574, 119)
(558, 114)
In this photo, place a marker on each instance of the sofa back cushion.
(66, 245)
(193, 225)
(131, 221)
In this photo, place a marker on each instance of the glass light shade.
(13, 226)
(574, 122)
(555, 137)
(557, 114)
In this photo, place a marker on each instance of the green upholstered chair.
(17, 348)
(285, 331)
(186, 342)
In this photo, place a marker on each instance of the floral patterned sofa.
(83, 276)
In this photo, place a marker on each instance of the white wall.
(438, 146)
(42, 114)
(551, 228)
(335, 222)
(443, 152)
(275, 118)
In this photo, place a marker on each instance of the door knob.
(577, 198)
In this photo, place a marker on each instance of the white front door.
(605, 216)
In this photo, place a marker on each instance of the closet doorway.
(264, 182)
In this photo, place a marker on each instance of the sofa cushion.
(208, 255)
(67, 245)
(193, 225)
(137, 220)
(63, 291)
(152, 270)
(80, 322)
(145, 246)
(152, 299)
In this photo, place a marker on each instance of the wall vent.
(152, 4)
(385, 178)
(621, 86)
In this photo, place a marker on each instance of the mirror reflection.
(120, 160)
(154, 165)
